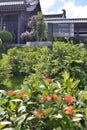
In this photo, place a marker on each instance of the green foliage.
(5, 68)
(37, 62)
(6, 36)
(61, 39)
(44, 105)
(71, 58)
(12, 82)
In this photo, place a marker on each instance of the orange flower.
(20, 95)
(38, 114)
(55, 97)
(10, 92)
(48, 98)
(30, 95)
(69, 110)
(43, 99)
(68, 99)
(48, 80)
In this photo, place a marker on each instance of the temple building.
(60, 26)
(14, 15)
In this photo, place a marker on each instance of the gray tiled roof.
(66, 20)
(11, 3)
(16, 5)
(10, 0)
(53, 16)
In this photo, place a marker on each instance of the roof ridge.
(10, 0)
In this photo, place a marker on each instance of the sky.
(74, 8)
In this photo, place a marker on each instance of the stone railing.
(43, 43)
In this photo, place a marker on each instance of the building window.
(61, 30)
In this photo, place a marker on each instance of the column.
(1, 22)
(50, 31)
(72, 30)
(19, 28)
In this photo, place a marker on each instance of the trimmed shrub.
(6, 36)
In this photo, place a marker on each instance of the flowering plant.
(44, 105)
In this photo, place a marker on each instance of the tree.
(38, 27)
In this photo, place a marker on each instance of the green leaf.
(38, 128)
(20, 119)
(30, 118)
(22, 109)
(48, 111)
(2, 111)
(78, 61)
(18, 127)
(3, 92)
(31, 103)
(4, 123)
(26, 90)
(75, 83)
(12, 105)
(16, 100)
(66, 75)
(9, 129)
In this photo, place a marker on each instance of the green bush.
(72, 58)
(37, 62)
(6, 36)
(5, 68)
(44, 105)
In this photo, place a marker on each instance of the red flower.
(55, 97)
(20, 95)
(10, 92)
(48, 80)
(69, 110)
(68, 99)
